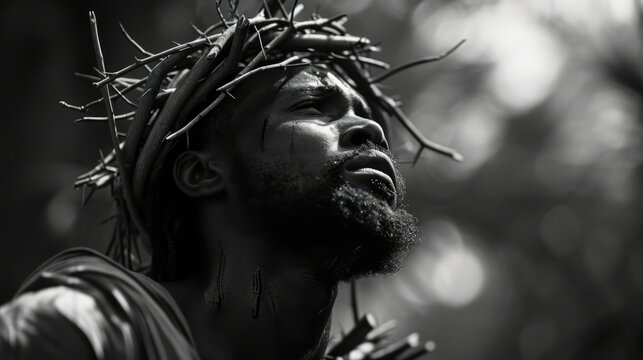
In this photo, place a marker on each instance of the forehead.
(312, 81)
(312, 77)
(269, 90)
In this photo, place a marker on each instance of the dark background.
(533, 244)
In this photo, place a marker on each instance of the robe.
(82, 305)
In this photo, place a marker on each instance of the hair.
(184, 101)
(170, 215)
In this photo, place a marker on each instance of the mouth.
(374, 171)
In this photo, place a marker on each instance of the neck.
(257, 302)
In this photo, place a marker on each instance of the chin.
(345, 230)
(371, 236)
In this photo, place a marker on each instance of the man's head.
(298, 155)
(224, 123)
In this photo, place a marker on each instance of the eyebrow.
(323, 92)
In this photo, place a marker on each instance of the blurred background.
(533, 244)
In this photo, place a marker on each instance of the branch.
(282, 8)
(273, 44)
(225, 70)
(218, 45)
(294, 12)
(417, 62)
(133, 42)
(84, 108)
(106, 118)
(373, 92)
(416, 353)
(396, 349)
(323, 42)
(167, 117)
(194, 44)
(223, 19)
(355, 337)
(263, 51)
(284, 64)
(101, 165)
(146, 104)
(127, 194)
(122, 96)
(197, 118)
(201, 34)
(424, 142)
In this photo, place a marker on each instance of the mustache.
(335, 166)
(338, 161)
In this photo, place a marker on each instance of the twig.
(194, 44)
(219, 75)
(372, 91)
(266, 8)
(424, 142)
(273, 44)
(392, 351)
(85, 199)
(363, 59)
(284, 64)
(166, 118)
(87, 76)
(126, 193)
(133, 42)
(323, 42)
(293, 12)
(223, 19)
(201, 34)
(197, 118)
(416, 353)
(355, 337)
(122, 96)
(282, 8)
(100, 167)
(417, 62)
(263, 51)
(233, 5)
(73, 107)
(106, 118)
(218, 45)
(381, 332)
(84, 108)
(146, 104)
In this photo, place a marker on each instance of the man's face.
(309, 160)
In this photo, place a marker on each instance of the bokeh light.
(458, 277)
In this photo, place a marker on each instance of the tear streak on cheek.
(262, 141)
(291, 148)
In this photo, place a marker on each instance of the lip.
(370, 166)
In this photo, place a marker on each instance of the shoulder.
(51, 323)
(110, 311)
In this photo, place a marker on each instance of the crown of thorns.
(181, 78)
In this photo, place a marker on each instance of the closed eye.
(304, 105)
(313, 106)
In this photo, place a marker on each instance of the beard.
(343, 230)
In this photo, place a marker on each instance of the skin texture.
(299, 194)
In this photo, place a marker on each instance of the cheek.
(306, 142)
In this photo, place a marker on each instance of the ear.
(196, 175)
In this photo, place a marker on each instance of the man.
(252, 219)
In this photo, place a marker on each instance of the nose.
(361, 132)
